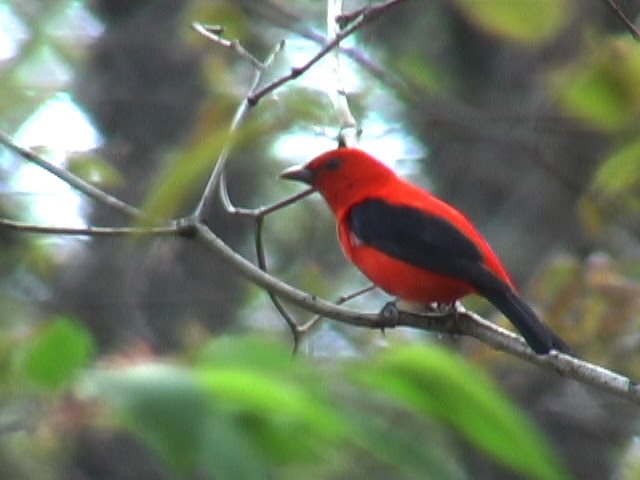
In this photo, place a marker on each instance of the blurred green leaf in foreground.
(245, 409)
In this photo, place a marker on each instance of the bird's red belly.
(406, 281)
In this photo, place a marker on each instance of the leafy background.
(130, 358)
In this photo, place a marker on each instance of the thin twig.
(349, 131)
(341, 300)
(214, 179)
(278, 14)
(88, 230)
(297, 331)
(287, 201)
(259, 214)
(368, 15)
(260, 211)
(262, 263)
(212, 32)
(71, 179)
(218, 178)
(633, 30)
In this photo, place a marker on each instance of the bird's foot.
(391, 310)
(389, 315)
(439, 309)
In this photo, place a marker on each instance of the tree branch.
(617, 11)
(173, 229)
(71, 179)
(212, 32)
(349, 131)
(278, 15)
(367, 16)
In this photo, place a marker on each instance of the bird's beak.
(298, 173)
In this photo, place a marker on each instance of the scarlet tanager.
(412, 244)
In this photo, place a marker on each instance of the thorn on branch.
(296, 72)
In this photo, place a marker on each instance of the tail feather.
(539, 337)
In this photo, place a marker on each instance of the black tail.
(539, 337)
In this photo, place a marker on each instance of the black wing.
(420, 239)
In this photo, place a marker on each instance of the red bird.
(412, 244)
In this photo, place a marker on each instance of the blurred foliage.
(619, 174)
(527, 21)
(57, 353)
(614, 193)
(420, 72)
(595, 306)
(441, 385)
(630, 465)
(95, 170)
(243, 408)
(602, 88)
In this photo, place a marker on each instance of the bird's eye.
(332, 164)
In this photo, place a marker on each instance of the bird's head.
(343, 176)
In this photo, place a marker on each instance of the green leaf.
(168, 408)
(94, 169)
(441, 385)
(603, 88)
(526, 21)
(246, 389)
(276, 397)
(620, 172)
(593, 96)
(174, 185)
(259, 352)
(399, 441)
(58, 352)
(422, 73)
(231, 454)
(243, 398)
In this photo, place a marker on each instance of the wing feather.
(420, 239)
